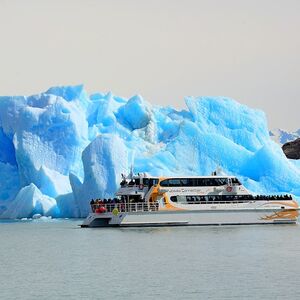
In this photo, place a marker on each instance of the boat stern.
(103, 219)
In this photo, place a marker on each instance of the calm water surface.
(59, 260)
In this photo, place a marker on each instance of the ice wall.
(61, 148)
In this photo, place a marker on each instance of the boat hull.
(193, 218)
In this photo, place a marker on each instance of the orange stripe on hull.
(286, 214)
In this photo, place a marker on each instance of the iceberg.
(30, 202)
(60, 148)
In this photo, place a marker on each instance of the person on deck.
(92, 203)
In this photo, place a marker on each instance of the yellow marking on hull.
(155, 192)
(168, 205)
(285, 214)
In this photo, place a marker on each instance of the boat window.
(211, 181)
(174, 199)
(153, 181)
(137, 181)
(193, 199)
(183, 182)
(164, 183)
(145, 181)
(221, 181)
(199, 182)
(176, 182)
(181, 199)
(235, 181)
(202, 182)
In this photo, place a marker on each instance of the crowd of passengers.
(220, 198)
(132, 182)
(97, 203)
(109, 204)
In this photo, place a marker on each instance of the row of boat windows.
(222, 198)
(146, 181)
(177, 182)
(211, 198)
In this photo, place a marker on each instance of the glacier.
(60, 148)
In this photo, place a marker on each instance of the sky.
(164, 50)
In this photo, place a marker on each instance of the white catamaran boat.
(145, 200)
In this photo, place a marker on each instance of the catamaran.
(144, 200)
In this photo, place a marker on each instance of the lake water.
(59, 260)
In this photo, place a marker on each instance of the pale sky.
(164, 50)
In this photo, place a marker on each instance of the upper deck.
(142, 186)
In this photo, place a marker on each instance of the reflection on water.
(57, 259)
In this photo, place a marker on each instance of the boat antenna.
(131, 172)
(219, 170)
(130, 176)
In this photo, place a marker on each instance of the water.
(59, 260)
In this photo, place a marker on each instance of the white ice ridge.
(61, 148)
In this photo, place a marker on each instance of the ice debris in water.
(60, 148)
(36, 216)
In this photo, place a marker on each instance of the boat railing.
(125, 207)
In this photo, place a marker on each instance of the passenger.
(122, 205)
(96, 204)
(109, 205)
(92, 204)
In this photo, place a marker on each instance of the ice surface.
(30, 201)
(134, 114)
(61, 148)
(104, 160)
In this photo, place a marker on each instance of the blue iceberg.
(60, 148)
